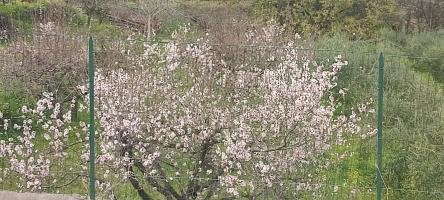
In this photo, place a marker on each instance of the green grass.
(428, 47)
(19, 8)
(413, 120)
(20, 13)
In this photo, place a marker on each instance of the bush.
(427, 45)
(46, 61)
(358, 19)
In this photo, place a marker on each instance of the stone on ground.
(6, 195)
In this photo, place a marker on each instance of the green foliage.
(21, 13)
(106, 29)
(10, 104)
(76, 18)
(11, 101)
(20, 8)
(170, 27)
(358, 19)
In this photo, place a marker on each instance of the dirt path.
(6, 195)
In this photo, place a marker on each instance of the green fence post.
(380, 120)
(92, 167)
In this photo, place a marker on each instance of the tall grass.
(413, 123)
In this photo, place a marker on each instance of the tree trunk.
(136, 185)
(88, 22)
(149, 26)
(408, 21)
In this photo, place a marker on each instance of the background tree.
(359, 19)
(93, 8)
(423, 15)
(153, 11)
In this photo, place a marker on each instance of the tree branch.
(136, 185)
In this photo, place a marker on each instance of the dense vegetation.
(358, 19)
(199, 121)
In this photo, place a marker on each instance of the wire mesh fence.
(31, 68)
(167, 114)
(252, 59)
(413, 129)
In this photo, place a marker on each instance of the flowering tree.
(37, 143)
(185, 123)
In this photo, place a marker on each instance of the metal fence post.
(92, 167)
(380, 120)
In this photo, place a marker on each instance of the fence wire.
(413, 123)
